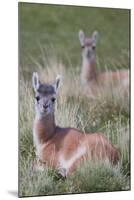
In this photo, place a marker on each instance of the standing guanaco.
(91, 79)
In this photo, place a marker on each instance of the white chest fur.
(37, 143)
(67, 164)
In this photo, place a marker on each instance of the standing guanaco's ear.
(57, 83)
(95, 36)
(82, 37)
(35, 81)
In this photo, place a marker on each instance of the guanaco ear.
(57, 83)
(82, 37)
(95, 36)
(35, 81)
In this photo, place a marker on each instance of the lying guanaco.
(64, 149)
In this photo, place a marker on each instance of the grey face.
(88, 49)
(88, 44)
(45, 96)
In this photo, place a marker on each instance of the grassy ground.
(49, 44)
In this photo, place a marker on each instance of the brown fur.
(66, 141)
(93, 80)
(109, 80)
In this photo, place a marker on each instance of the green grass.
(55, 28)
(49, 44)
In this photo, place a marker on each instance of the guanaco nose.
(45, 106)
(88, 53)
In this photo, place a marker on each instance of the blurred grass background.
(55, 28)
(49, 44)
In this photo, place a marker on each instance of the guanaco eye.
(82, 47)
(37, 98)
(53, 99)
(93, 47)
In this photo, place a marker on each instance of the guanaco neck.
(88, 72)
(44, 128)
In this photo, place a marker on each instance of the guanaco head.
(88, 44)
(45, 95)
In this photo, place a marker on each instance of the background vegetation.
(49, 44)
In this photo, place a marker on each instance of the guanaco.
(90, 78)
(64, 149)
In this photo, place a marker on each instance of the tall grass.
(110, 116)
